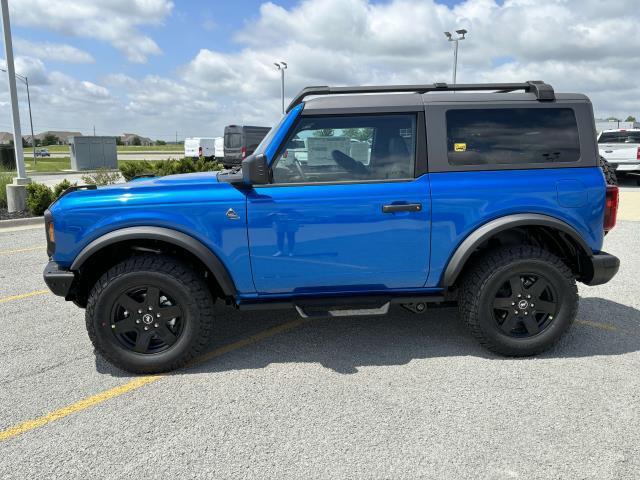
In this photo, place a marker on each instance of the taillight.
(611, 207)
(638, 154)
(243, 151)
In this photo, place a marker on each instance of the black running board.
(343, 306)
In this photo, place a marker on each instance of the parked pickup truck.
(621, 148)
(493, 200)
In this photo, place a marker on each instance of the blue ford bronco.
(362, 197)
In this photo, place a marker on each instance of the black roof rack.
(543, 91)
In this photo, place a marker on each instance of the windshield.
(267, 140)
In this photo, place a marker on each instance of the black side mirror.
(255, 170)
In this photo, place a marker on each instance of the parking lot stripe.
(602, 326)
(138, 382)
(23, 295)
(76, 407)
(20, 250)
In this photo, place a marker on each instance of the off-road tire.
(170, 274)
(609, 173)
(479, 283)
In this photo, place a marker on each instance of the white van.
(219, 148)
(201, 147)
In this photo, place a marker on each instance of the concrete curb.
(21, 222)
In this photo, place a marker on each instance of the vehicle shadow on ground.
(343, 345)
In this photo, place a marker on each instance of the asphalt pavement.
(402, 396)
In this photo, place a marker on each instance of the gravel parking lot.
(402, 396)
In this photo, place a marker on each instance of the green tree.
(360, 134)
(630, 118)
(50, 139)
(119, 141)
(323, 132)
(160, 142)
(24, 143)
(136, 141)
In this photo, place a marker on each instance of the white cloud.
(114, 21)
(576, 45)
(61, 52)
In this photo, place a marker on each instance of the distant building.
(62, 136)
(129, 139)
(5, 138)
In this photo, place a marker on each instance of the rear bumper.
(58, 280)
(603, 268)
(625, 166)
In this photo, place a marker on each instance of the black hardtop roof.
(416, 101)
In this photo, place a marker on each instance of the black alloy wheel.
(146, 320)
(525, 305)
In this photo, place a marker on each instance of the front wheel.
(150, 314)
(518, 301)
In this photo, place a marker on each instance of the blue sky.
(157, 66)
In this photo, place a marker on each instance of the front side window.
(512, 136)
(348, 148)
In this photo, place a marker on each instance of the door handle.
(402, 207)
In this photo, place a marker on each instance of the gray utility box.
(91, 153)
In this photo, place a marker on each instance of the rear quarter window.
(512, 136)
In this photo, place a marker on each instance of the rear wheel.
(518, 301)
(150, 314)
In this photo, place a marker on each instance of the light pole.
(461, 36)
(33, 138)
(16, 192)
(282, 66)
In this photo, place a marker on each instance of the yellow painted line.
(23, 295)
(75, 407)
(136, 383)
(20, 250)
(601, 326)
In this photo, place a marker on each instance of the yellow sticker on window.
(460, 147)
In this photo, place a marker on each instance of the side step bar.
(345, 306)
(359, 312)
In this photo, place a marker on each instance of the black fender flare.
(487, 230)
(174, 237)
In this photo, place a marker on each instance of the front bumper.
(603, 268)
(58, 280)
